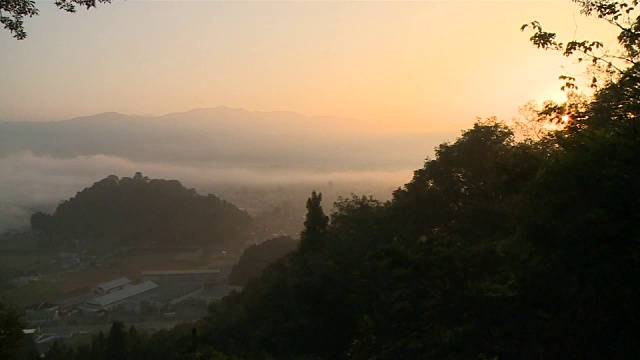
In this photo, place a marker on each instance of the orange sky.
(427, 65)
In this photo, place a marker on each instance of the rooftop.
(182, 272)
(168, 293)
(39, 315)
(119, 295)
(106, 286)
(75, 300)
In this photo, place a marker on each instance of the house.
(40, 317)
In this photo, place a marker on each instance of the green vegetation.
(13, 12)
(13, 344)
(137, 211)
(183, 342)
(33, 293)
(496, 249)
(257, 257)
(55, 286)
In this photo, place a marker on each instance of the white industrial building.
(113, 285)
(117, 299)
(172, 295)
(163, 296)
(40, 317)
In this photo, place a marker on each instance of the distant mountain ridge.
(226, 137)
(43, 162)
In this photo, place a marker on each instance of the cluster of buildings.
(157, 292)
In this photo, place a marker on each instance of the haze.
(431, 65)
(214, 149)
(413, 74)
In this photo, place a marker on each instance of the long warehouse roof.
(119, 295)
(106, 286)
(182, 272)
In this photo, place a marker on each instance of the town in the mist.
(319, 180)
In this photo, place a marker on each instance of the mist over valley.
(221, 150)
(473, 195)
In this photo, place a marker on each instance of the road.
(104, 327)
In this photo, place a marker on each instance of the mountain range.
(44, 163)
(226, 137)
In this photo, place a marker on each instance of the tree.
(615, 74)
(117, 342)
(257, 257)
(133, 209)
(580, 218)
(618, 14)
(579, 213)
(57, 351)
(39, 222)
(11, 337)
(134, 344)
(13, 12)
(98, 347)
(313, 236)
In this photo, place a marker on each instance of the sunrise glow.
(405, 64)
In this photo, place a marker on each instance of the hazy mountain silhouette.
(225, 136)
(46, 162)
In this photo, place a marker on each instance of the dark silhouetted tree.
(98, 346)
(57, 351)
(116, 342)
(11, 337)
(256, 258)
(135, 343)
(13, 12)
(313, 237)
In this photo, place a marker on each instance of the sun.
(565, 118)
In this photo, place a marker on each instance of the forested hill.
(496, 249)
(257, 257)
(139, 210)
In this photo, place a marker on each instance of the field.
(14, 262)
(58, 284)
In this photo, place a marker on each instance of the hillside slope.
(139, 210)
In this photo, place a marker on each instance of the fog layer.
(44, 163)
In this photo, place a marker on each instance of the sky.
(426, 65)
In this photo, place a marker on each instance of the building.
(47, 306)
(162, 297)
(40, 317)
(113, 285)
(67, 305)
(205, 276)
(116, 299)
(173, 294)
